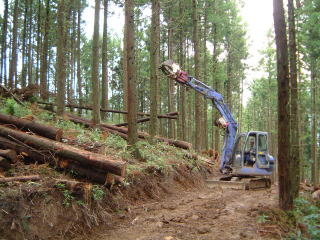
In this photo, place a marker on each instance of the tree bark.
(286, 187)
(3, 66)
(294, 126)
(169, 81)
(13, 61)
(24, 39)
(30, 57)
(131, 71)
(154, 65)
(104, 85)
(95, 66)
(61, 61)
(44, 56)
(79, 58)
(198, 98)
(314, 124)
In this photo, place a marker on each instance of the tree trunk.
(104, 85)
(44, 56)
(131, 71)
(3, 66)
(169, 81)
(95, 66)
(314, 123)
(286, 188)
(154, 65)
(13, 61)
(24, 39)
(30, 57)
(294, 126)
(205, 79)
(198, 97)
(79, 58)
(61, 61)
(39, 42)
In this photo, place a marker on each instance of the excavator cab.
(250, 154)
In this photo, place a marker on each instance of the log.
(4, 163)
(27, 125)
(142, 135)
(142, 120)
(9, 154)
(124, 132)
(25, 151)
(62, 150)
(168, 115)
(20, 178)
(92, 174)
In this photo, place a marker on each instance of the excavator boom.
(173, 71)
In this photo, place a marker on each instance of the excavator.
(245, 161)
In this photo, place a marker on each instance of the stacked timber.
(41, 143)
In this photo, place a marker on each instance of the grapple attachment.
(173, 71)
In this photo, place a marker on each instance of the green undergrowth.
(11, 107)
(307, 217)
(301, 223)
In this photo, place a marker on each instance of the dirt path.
(204, 214)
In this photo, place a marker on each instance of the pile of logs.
(42, 143)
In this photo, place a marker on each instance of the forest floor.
(196, 214)
(163, 197)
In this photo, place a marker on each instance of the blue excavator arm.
(173, 71)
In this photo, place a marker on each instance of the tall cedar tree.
(44, 55)
(154, 59)
(286, 188)
(61, 59)
(170, 82)
(3, 66)
(315, 162)
(24, 39)
(294, 126)
(198, 97)
(13, 61)
(205, 78)
(182, 100)
(104, 85)
(95, 66)
(79, 78)
(131, 71)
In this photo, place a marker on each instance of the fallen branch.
(168, 115)
(124, 131)
(143, 120)
(20, 178)
(12, 95)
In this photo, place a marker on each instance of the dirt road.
(205, 214)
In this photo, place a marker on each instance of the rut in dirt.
(203, 214)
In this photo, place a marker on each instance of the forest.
(93, 114)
